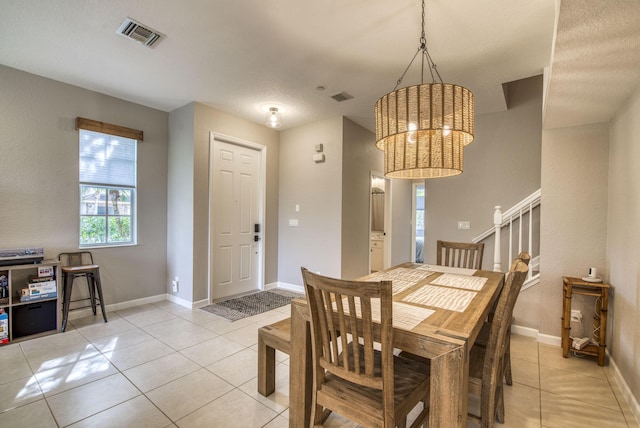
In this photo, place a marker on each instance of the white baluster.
(497, 222)
(530, 274)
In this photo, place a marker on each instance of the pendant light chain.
(433, 68)
(423, 47)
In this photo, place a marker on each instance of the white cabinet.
(377, 254)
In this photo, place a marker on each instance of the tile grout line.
(195, 362)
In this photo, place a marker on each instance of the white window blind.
(107, 159)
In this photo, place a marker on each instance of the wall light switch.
(293, 222)
(464, 225)
(319, 148)
(318, 157)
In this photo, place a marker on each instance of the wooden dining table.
(437, 314)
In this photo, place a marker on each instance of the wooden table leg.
(449, 389)
(300, 369)
(449, 374)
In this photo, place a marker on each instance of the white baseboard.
(187, 304)
(631, 400)
(286, 286)
(532, 332)
(81, 313)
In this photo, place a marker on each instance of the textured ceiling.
(596, 61)
(240, 56)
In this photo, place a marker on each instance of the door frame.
(414, 207)
(262, 192)
(386, 255)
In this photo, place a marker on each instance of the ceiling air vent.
(138, 32)
(342, 96)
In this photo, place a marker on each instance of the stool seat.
(77, 265)
(80, 269)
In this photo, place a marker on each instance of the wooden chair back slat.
(460, 254)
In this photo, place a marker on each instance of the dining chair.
(355, 372)
(487, 363)
(460, 254)
(483, 337)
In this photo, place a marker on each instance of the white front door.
(235, 219)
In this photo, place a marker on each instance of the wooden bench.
(276, 336)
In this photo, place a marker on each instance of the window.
(107, 189)
(418, 222)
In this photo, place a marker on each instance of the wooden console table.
(600, 291)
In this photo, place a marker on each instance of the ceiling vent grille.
(142, 34)
(342, 96)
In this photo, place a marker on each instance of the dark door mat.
(252, 304)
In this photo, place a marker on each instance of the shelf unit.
(26, 320)
(600, 291)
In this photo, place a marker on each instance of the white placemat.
(441, 297)
(456, 280)
(401, 278)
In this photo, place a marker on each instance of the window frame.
(108, 130)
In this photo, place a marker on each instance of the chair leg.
(266, 368)
(507, 371)
(99, 289)
(500, 405)
(91, 283)
(68, 284)
(507, 361)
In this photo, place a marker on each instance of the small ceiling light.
(274, 118)
(423, 128)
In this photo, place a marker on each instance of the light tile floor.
(162, 365)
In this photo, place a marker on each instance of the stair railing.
(515, 215)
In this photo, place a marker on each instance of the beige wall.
(360, 157)
(623, 243)
(190, 173)
(316, 188)
(180, 201)
(574, 216)
(39, 189)
(501, 167)
(333, 235)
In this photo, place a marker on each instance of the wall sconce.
(274, 118)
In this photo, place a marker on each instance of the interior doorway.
(236, 213)
(418, 223)
(379, 222)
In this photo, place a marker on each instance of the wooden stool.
(276, 336)
(76, 265)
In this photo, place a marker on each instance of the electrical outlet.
(464, 225)
(174, 285)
